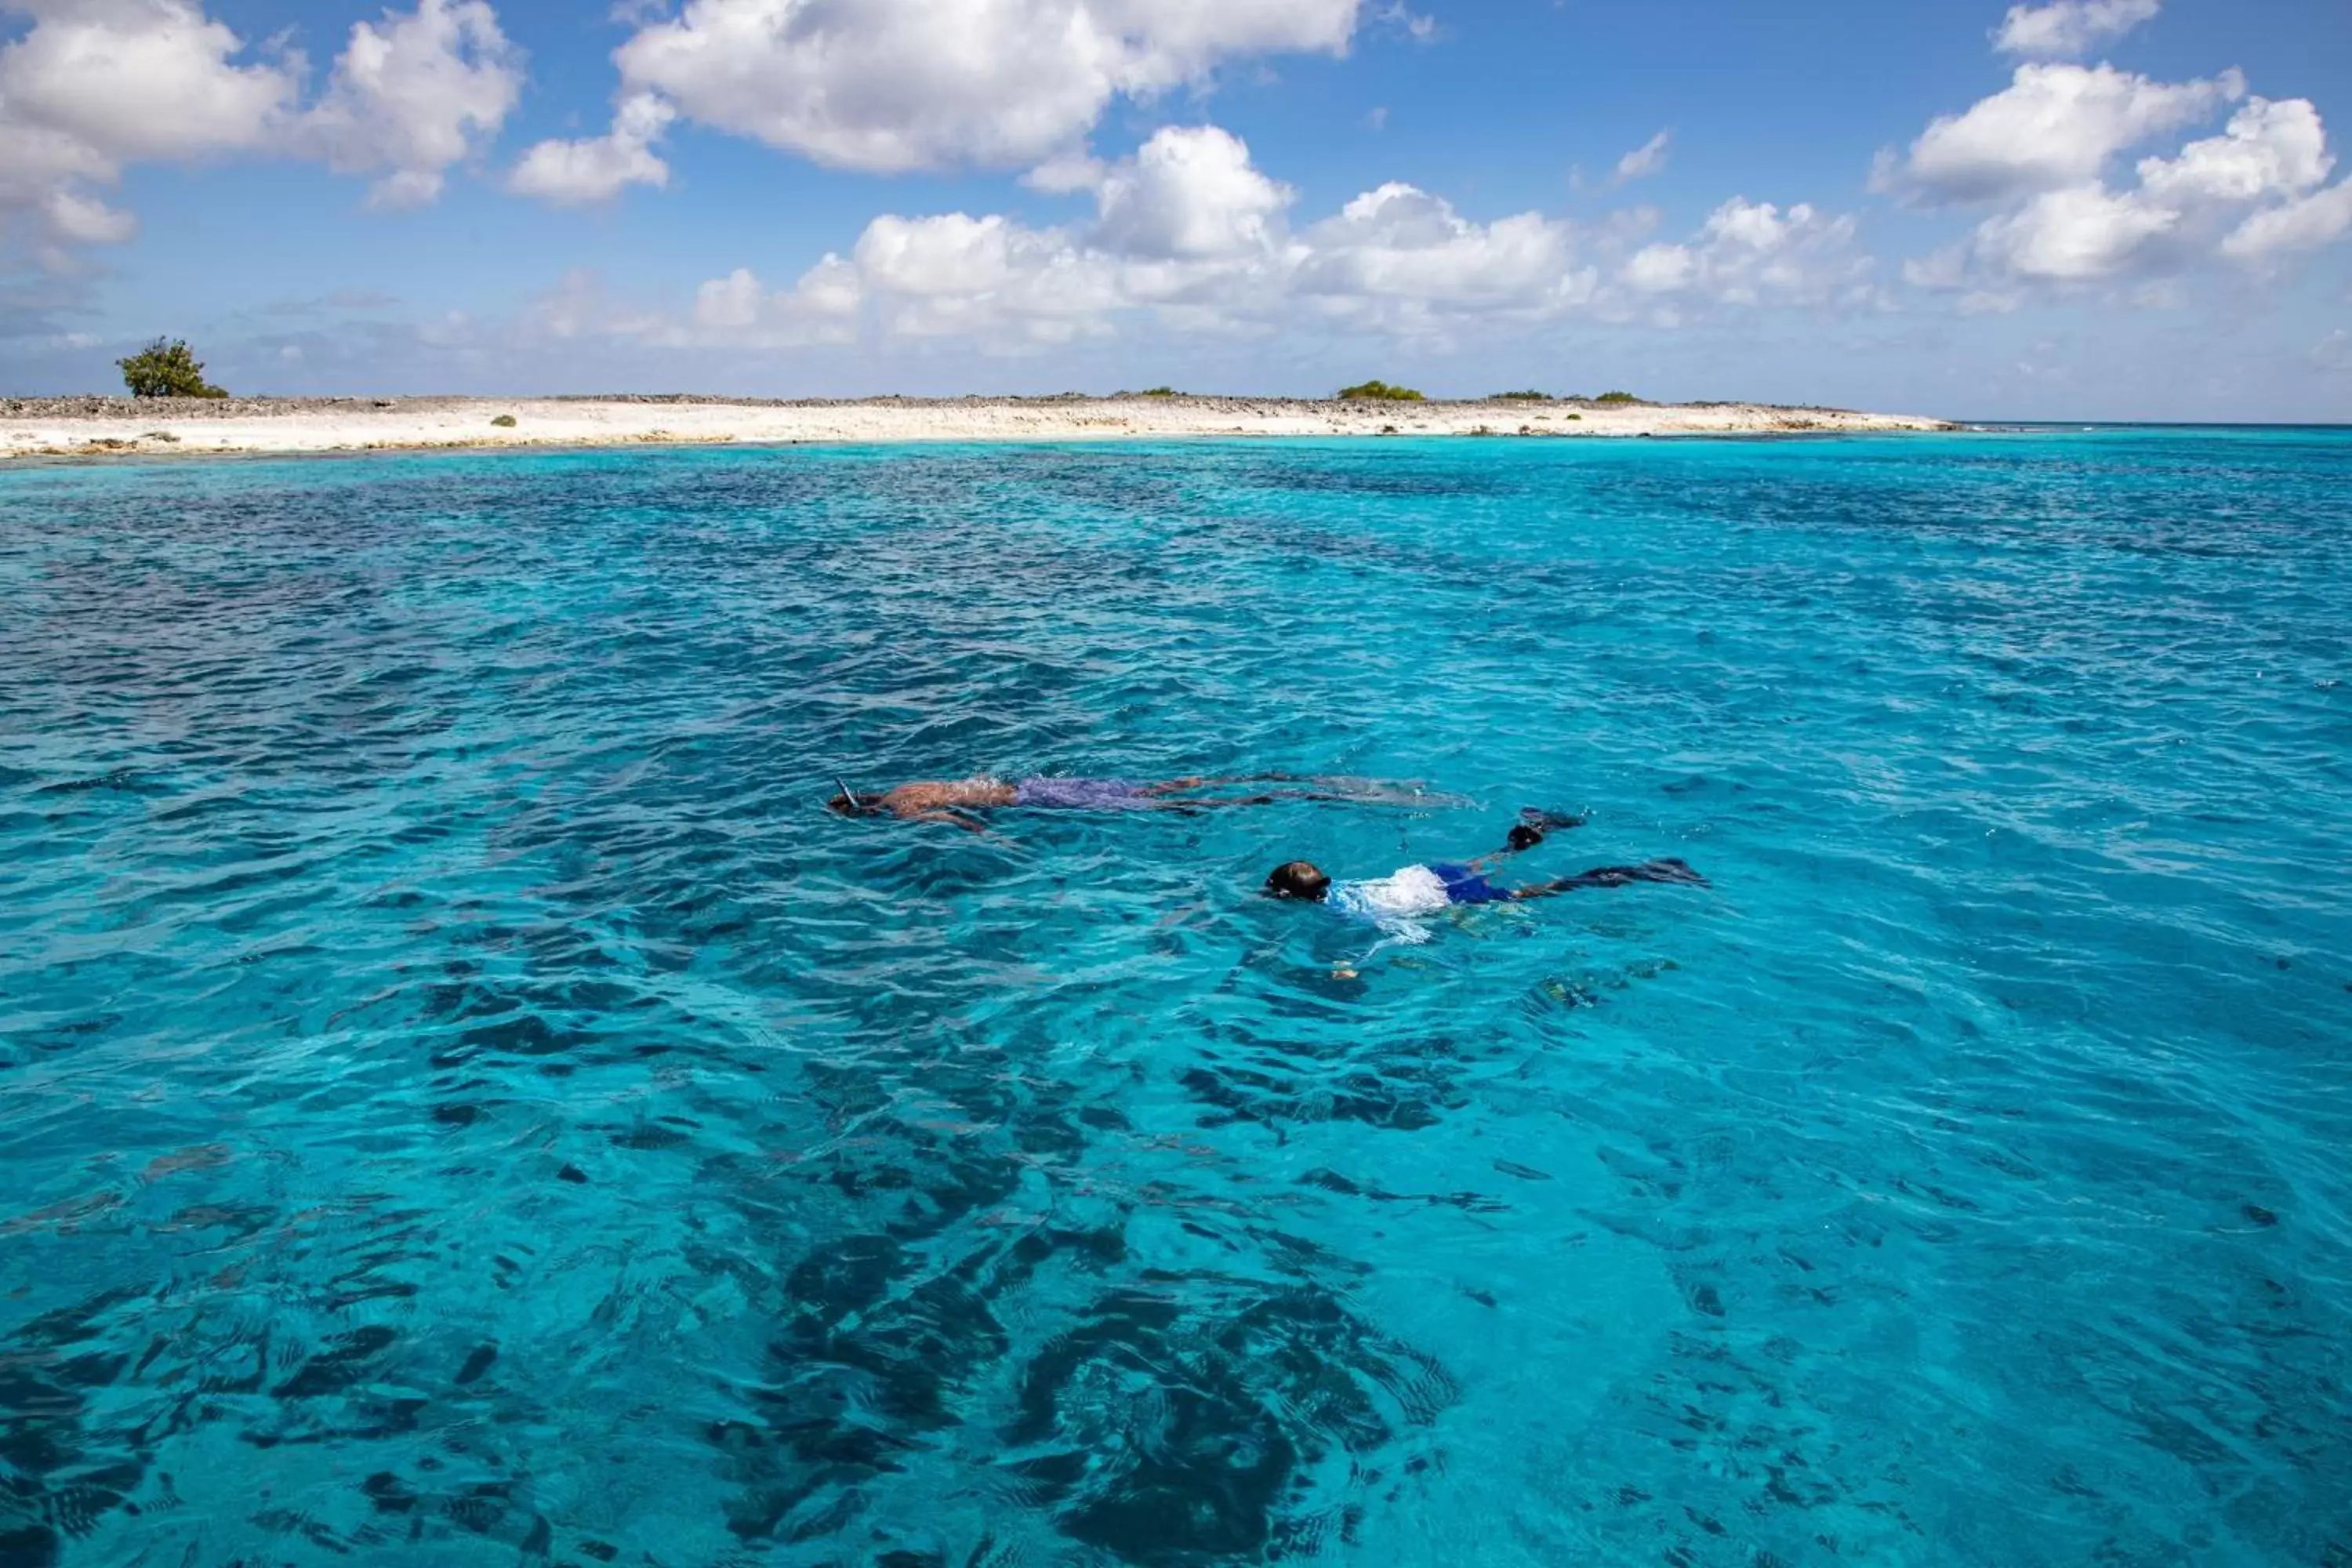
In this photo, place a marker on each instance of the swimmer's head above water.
(848, 803)
(1299, 879)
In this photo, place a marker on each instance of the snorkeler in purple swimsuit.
(953, 801)
(1083, 794)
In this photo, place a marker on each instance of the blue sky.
(2088, 209)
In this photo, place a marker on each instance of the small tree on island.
(1379, 392)
(166, 368)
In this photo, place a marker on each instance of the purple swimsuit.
(1080, 794)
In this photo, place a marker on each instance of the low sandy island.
(118, 426)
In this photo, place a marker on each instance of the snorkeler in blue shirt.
(1427, 889)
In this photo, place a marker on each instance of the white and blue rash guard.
(1414, 890)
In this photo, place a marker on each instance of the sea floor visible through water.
(464, 1100)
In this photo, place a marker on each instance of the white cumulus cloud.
(2268, 149)
(2071, 235)
(93, 87)
(2318, 219)
(740, 311)
(136, 79)
(2252, 193)
(2054, 126)
(986, 277)
(1751, 253)
(1188, 232)
(898, 85)
(1187, 226)
(416, 94)
(598, 168)
(85, 220)
(2070, 28)
(1402, 260)
(96, 85)
(1189, 195)
(1076, 170)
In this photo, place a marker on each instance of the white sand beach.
(100, 427)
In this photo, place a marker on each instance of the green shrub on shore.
(1519, 397)
(166, 368)
(1159, 392)
(504, 422)
(1379, 392)
(1619, 398)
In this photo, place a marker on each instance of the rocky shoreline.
(96, 427)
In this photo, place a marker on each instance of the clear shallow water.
(460, 1097)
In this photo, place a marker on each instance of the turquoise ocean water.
(463, 1100)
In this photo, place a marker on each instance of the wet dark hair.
(845, 804)
(1525, 836)
(1298, 880)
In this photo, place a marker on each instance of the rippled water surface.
(462, 1100)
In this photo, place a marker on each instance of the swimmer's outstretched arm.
(1667, 870)
(1534, 828)
(1521, 840)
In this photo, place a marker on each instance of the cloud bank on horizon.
(2078, 192)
